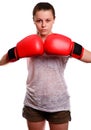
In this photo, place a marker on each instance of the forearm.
(86, 56)
(4, 60)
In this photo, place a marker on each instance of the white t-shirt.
(46, 87)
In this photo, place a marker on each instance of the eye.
(38, 21)
(48, 20)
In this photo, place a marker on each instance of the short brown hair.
(43, 6)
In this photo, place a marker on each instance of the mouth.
(43, 30)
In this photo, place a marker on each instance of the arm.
(61, 45)
(31, 45)
(58, 44)
(4, 60)
(86, 56)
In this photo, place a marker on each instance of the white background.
(73, 19)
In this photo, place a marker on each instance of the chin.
(44, 33)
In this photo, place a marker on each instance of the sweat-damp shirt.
(46, 88)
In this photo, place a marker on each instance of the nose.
(43, 23)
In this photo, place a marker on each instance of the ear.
(33, 18)
(54, 21)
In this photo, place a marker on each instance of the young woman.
(46, 97)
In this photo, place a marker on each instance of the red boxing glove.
(31, 45)
(58, 44)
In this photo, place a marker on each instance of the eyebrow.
(44, 18)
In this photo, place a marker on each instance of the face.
(44, 20)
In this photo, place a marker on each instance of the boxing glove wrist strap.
(12, 54)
